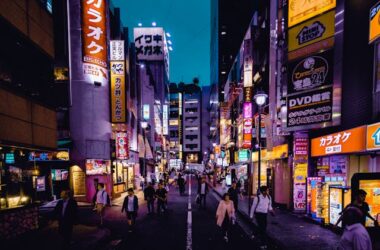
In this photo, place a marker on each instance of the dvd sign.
(311, 72)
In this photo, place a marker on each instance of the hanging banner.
(122, 146)
(118, 99)
(300, 10)
(94, 39)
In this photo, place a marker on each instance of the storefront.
(97, 171)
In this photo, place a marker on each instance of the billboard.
(94, 38)
(118, 98)
(149, 43)
(312, 31)
(374, 24)
(165, 126)
(300, 10)
(122, 146)
(373, 137)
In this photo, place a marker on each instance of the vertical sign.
(118, 102)
(122, 149)
(149, 43)
(247, 125)
(117, 50)
(94, 38)
(165, 129)
(300, 170)
(146, 112)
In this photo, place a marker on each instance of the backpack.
(108, 199)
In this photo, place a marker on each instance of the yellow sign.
(374, 23)
(301, 10)
(118, 100)
(312, 31)
(300, 173)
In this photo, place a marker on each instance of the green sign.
(243, 155)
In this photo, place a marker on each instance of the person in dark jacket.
(181, 184)
(149, 196)
(234, 193)
(66, 213)
(162, 198)
(131, 207)
(202, 192)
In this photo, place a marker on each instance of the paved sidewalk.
(291, 231)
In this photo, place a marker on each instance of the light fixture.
(154, 24)
(142, 66)
(168, 34)
(223, 72)
(260, 98)
(139, 24)
(144, 124)
(169, 42)
(214, 144)
(170, 48)
(223, 33)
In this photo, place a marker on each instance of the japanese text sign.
(122, 147)
(247, 110)
(117, 50)
(300, 10)
(348, 141)
(247, 132)
(374, 24)
(149, 43)
(118, 103)
(373, 136)
(94, 32)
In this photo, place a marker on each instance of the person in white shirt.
(202, 192)
(131, 206)
(262, 204)
(355, 236)
(101, 201)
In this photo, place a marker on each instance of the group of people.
(151, 195)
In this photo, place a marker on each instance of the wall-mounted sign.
(118, 99)
(299, 186)
(165, 121)
(373, 136)
(311, 72)
(248, 66)
(248, 94)
(146, 112)
(40, 184)
(97, 167)
(122, 146)
(243, 155)
(247, 133)
(309, 108)
(348, 141)
(247, 110)
(374, 23)
(117, 50)
(94, 37)
(301, 147)
(312, 31)
(9, 158)
(149, 43)
(62, 155)
(300, 10)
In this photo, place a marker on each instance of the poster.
(40, 184)
(372, 187)
(95, 167)
(312, 186)
(299, 193)
(336, 205)
(338, 164)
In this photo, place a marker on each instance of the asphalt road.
(171, 231)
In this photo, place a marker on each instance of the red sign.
(247, 133)
(122, 147)
(94, 29)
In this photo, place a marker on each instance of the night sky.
(188, 22)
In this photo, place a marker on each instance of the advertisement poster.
(323, 166)
(301, 10)
(336, 205)
(299, 194)
(372, 187)
(122, 146)
(312, 186)
(338, 164)
(79, 183)
(95, 167)
(40, 184)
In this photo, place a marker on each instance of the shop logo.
(376, 137)
(310, 73)
(311, 32)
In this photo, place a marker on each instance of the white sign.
(165, 126)
(146, 112)
(117, 50)
(149, 43)
(248, 64)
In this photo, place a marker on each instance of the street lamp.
(260, 99)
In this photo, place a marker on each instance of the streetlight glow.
(169, 42)
(154, 24)
(144, 124)
(170, 48)
(260, 98)
(139, 24)
(168, 34)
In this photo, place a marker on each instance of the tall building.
(175, 127)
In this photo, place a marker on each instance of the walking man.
(149, 196)
(262, 204)
(181, 184)
(131, 207)
(66, 213)
(234, 193)
(101, 202)
(202, 192)
(161, 195)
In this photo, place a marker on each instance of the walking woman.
(225, 215)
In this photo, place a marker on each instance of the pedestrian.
(102, 199)
(355, 236)
(202, 192)
(234, 193)
(225, 215)
(131, 207)
(161, 195)
(96, 182)
(181, 184)
(262, 204)
(149, 196)
(66, 213)
(359, 202)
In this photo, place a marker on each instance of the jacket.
(135, 204)
(223, 207)
(69, 217)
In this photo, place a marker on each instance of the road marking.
(189, 238)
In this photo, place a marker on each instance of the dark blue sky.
(188, 22)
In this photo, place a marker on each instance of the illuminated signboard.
(118, 99)
(243, 155)
(146, 112)
(62, 155)
(117, 50)
(374, 24)
(9, 158)
(94, 38)
(165, 126)
(97, 167)
(300, 10)
(373, 136)
(122, 146)
(149, 43)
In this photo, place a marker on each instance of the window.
(191, 137)
(191, 110)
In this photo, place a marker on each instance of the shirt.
(130, 203)
(101, 197)
(234, 194)
(263, 206)
(203, 188)
(355, 237)
(161, 193)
